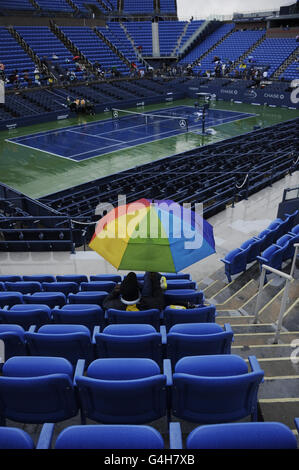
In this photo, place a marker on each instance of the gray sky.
(204, 8)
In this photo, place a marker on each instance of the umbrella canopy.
(153, 236)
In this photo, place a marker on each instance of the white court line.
(40, 150)
(99, 136)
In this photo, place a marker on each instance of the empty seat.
(25, 287)
(129, 340)
(65, 287)
(254, 245)
(183, 297)
(106, 286)
(205, 314)
(265, 435)
(14, 341)
(106, 436)
(123, 391)
(14, 438)
(150, 317)
(73, 342)
(106, 277)
(37, 390)
(88, 297)
(27, 315)
(78, 278)
(52, 299)
(40, 278)
(235, 262)
(195, 339)
(80, 314)
(216, 388)
(10, 298)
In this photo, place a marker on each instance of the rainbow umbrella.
(153, 236)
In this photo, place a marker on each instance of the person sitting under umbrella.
(128, 295)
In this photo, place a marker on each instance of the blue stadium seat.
(205, 314)
(265, 435)
(78, 278)
(123, 391)
(106, 286)
(150, 317)
(267, 236)
(106, 436)
(10, 298)
(197, 339)
(73, 342)
(14, 438)
(52, 299)
(37, 390)
(40, 278)
(216, 388)
(80, 314)
(129, 340)
(254, 249)
(106, 277)
(235, 262)
(272, 256)
(183, 297)
(65, 287)
(14, 340)
(287, 242)
(88, 297)
(27, 315)
(25, 287)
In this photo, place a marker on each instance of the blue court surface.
(97, 138)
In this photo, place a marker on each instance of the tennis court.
(122, 131)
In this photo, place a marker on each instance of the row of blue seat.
(91, 315)
(200, 389)
(27, 287)
(266, 435)
(75, 341)
(280, 231)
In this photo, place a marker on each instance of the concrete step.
(248, 339)
(234, 320)
(211, 290)
(252, 329)
(283, 410)
(291, 316)
(280, 387)
(239, 298)
(279, 367)
(270, 312)
(270, 290)
(263, 351)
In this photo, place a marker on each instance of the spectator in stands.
(128, 295)
(297, 38)
(2, 71)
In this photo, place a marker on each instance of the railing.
(288, 279)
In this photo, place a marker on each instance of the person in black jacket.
(129, 296)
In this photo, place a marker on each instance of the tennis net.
(163, 122)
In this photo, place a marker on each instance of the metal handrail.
(288, 279)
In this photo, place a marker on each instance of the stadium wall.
(281, 99)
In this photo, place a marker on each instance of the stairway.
(235, 304)
(199, 59)
(112, 47)
(138, 54)
(73, 6)
(177, 46)
(70, 45)
(286, 63)
(35, 5)
(246, 53)
(30, 52)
